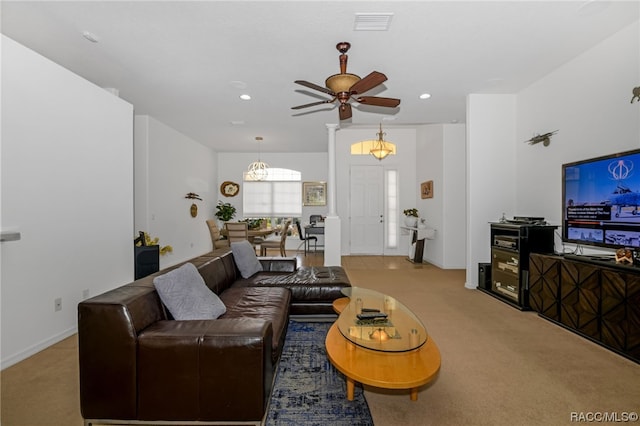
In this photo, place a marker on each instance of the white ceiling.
(186, 62)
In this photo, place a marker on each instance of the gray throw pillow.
(187, 297)
(245, 257)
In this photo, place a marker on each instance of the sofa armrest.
(279, 264)
(220, 369)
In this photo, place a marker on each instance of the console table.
(597, 299)
(418, 241)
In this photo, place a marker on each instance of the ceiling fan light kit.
(343, 86)
(338, 83)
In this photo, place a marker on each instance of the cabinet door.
(613, 321)
(505, 273)
(579, 297)
(632, 346)
(544, 285)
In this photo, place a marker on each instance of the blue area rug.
(308, 390)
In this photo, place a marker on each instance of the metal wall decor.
(545, 139)
(229, 189)
(193, 210)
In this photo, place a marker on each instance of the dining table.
(253, 233)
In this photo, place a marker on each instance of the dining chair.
(236, 231)
(275, 244)
(306, 240)
(216, 237)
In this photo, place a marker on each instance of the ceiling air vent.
(372, 21)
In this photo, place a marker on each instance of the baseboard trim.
(32, 350)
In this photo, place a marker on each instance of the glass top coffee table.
(393, 352)
(379, 322)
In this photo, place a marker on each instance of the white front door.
(367, 210)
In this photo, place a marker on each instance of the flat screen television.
(601, 197)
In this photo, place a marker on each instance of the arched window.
(278, 194)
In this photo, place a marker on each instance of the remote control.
(371, 315)
(370, 310)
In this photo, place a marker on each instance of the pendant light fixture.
(258, 169)
(382, 148)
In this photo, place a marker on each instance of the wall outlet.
(57, 304)
(85, 294)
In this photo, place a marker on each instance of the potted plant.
(225, 211)
(411, 217)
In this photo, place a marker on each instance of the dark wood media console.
(595, 298)
(511, 244)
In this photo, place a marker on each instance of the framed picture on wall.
(426, 189)
(314, 193)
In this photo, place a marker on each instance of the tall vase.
(410, 221)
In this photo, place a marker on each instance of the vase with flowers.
(410, 217)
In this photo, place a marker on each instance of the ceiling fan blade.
(313, 104)
(378, 101)
(368, 83)
(314, 86)
(345, 111)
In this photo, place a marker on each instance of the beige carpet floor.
(500, 366)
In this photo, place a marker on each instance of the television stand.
(597, 299)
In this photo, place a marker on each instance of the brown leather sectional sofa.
(138, 364)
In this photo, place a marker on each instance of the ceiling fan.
(345, 86)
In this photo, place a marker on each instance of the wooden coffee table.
(409, 369)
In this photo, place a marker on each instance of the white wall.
(441, 157)
(588, 101)
(67, 168)
(168, 165)
(491, 168)
(430, 166)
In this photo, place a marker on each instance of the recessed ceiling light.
(90, 36)
(425, 96)
(245, 97)
(237, 122)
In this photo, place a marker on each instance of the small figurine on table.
(624, 256)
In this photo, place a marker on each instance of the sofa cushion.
(268, 303)
(245, 257)
(185, 294)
